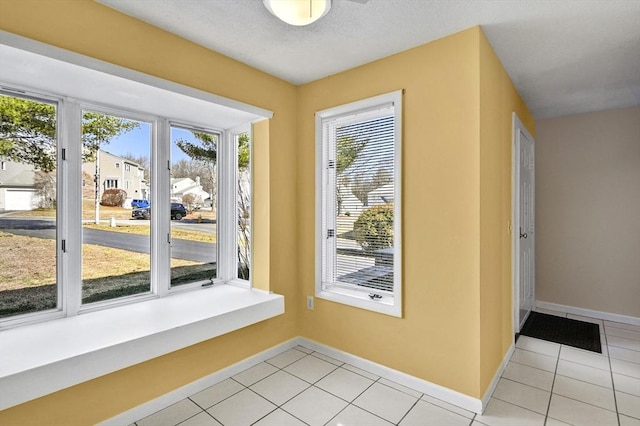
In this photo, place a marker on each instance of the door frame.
(517, 127)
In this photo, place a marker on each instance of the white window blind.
(358, 194)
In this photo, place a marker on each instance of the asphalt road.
(181, 249)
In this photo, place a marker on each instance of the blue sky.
(137, 143)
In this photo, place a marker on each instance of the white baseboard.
(440, 392)
(148, 408)
(431, 389)
(496, 377)
(625, 319)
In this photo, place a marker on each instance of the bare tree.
(190, 201)
(45, 185)
(244, 207)
(361, 186)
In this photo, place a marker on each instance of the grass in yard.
(180, 234)
(28, 273)
(187, 274)
(26, 261)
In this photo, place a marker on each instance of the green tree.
(206, 151)
(28, 132)
(348, 149)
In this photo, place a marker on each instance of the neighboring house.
(183, 186)
(18, 181)
(117, 173)
(17, 188)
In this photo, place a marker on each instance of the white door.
(523, 224)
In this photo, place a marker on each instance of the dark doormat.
(579, 334)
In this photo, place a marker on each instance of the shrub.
(374, 228)
(114, 197)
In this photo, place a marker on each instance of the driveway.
(45, 228)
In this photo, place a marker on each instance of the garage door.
(19, 199)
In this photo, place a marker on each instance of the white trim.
(496, 377)
(148, 408)
(444, 394)
(233, 134)
(40, 359)
(390, 303)
(440, 392)
(517, 126)
(53, 52)
(624, 319)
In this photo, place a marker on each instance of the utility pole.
(97, 180)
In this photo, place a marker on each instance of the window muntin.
(116, 252)
(359, 204)
(194, 192)
(29, 264)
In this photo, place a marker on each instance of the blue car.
(139, 203)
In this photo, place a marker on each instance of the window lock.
(374, 296)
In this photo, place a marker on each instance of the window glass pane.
(243, 198)
(116, 259)
(364, 196)
(194, 194)
(28, 203)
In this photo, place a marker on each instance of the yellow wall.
(498, 100)
(94, 30)
(458, 101)
(456, 176)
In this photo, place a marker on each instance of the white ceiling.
(564, 56)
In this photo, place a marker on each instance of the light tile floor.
(544, 384)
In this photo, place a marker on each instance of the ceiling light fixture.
(298, 12)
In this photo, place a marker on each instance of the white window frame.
(222, 274)
(233, 232)
(69, 213)
(387, 303)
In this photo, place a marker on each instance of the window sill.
(39, 359)
(386, 305)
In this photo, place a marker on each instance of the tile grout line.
(408, 411)
(378, 379)
(613, 383)
(553, 382)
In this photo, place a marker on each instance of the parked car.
(143, 213)
(139, 203)
(178, 211)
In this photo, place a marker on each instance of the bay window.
(70, 240)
